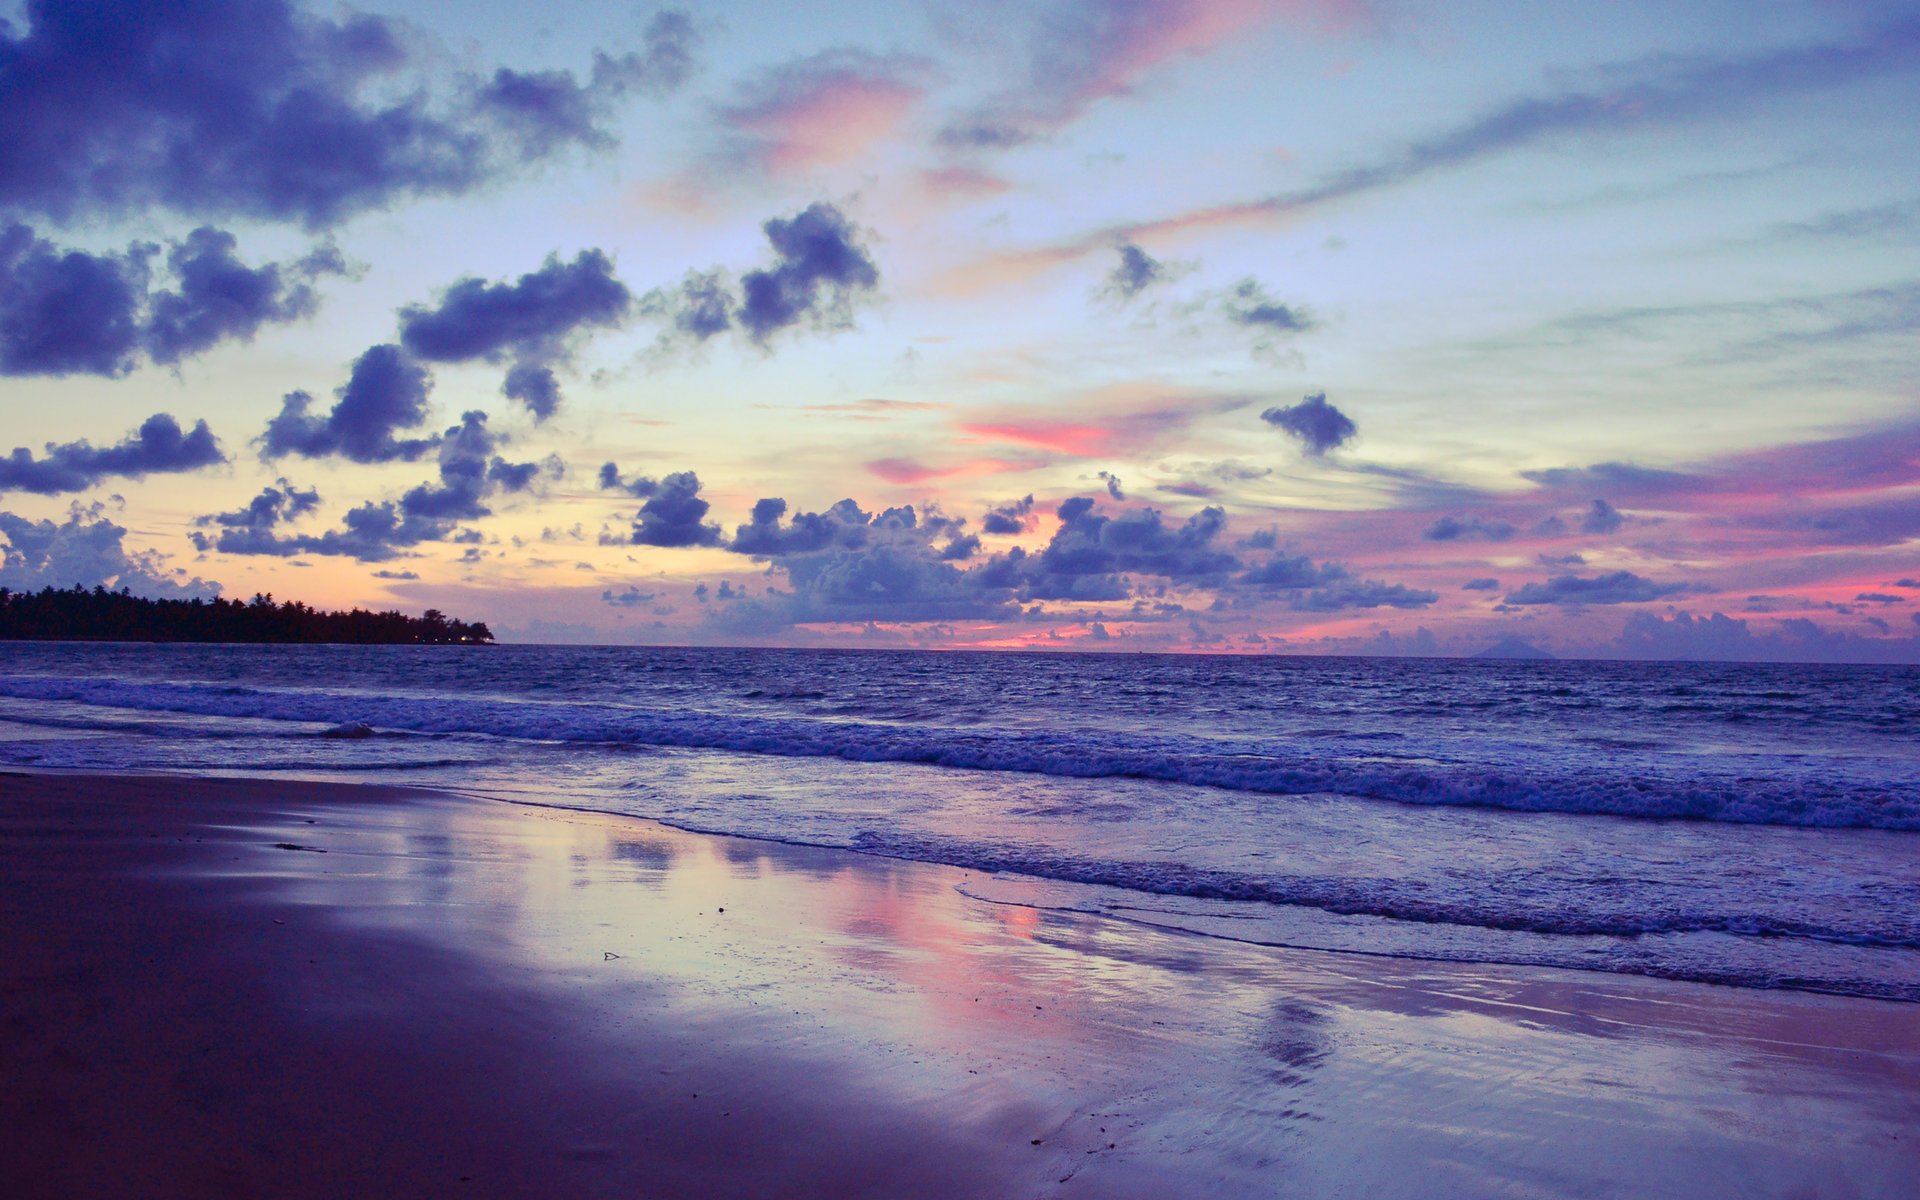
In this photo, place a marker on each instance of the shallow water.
(1754, 825)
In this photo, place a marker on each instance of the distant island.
(79, 614)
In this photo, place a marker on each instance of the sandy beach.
(231, 987)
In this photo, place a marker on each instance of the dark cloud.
(158, 447)
(1114, 490)
(549, 110)
(476, 319)
(633, 597)
(820, 271)
(89, 550)
(1137, 271)
(1456, 529)
(844, 525)
(532, 320)
(1363, 593)
(820, 274)
(1016, 516)
(1482, 584)
(673, 515)
(639, 485)
(1317, 425)
(274, 505)
(471, 471)
(251, 108)
(68, 312)
(534, 386)
(1601, 517)
(1290, 572)
(1248, 304)
(385, 393)
(1614, 476)
(1614, 587)
(1089, 551)
(1718, 637)
(218, 298)
(846, 565)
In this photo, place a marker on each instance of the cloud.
(547, 110)
(1090, 550)
(1482, 584)
(763, 536)
(218, 298)
(1013, 517)
(1456, 529)
(251, 108)
(274, 505)
(1088, 52)
(471, 471)
(1248, 305)
(1614, 587)
(88, 550)
(1284, 572)
(533, 320)
(156, 448)
(639, 485)
(820, 274)
(385, 393)
(848, 565)
(821, 111)
(1114, 490)
(534, 386)
(633, 597)
(1720, 638)
(1363, 593)
(1317, 425)
(1137, 271)
(673, 515)
(1653, 93)
(1601, 517)
(68, 312)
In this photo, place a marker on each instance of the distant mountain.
(1513, 647)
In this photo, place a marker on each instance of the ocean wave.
(1582, 784)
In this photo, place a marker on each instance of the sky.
(1257, 326)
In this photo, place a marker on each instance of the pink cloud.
(1104, 48)
(824, 111)
(909, 471)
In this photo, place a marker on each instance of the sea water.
(1751, 825)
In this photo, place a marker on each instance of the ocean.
(1750, 825)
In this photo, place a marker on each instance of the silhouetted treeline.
(80, 614)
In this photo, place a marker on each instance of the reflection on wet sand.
(1133, 1058)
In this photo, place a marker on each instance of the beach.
(242, 987)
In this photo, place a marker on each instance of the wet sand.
(225, 987)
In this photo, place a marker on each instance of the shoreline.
(301, 988)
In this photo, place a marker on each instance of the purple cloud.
(158, 447)
(1315, 424)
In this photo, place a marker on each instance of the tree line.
(98, 615)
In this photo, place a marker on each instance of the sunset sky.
(1338, 326)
